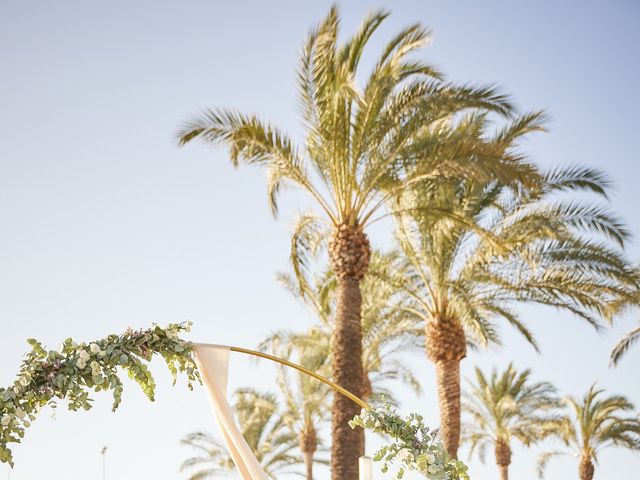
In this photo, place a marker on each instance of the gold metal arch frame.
(295, 366)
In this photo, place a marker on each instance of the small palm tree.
(363, 146)
(597, 422)
(508, 406)
(307, 400)
(264, 429)
(489, 247)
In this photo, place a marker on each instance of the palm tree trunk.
(503, 457)
(347, 444)
(349, 252)
(446, 347)
(504, 472)
(308, 463)
(448, 381)
(585, 471)
(308, 440)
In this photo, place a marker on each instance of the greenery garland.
(415, 446)
(74, 370)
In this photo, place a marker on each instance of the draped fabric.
(213, 364)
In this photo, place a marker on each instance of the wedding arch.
(73, 371)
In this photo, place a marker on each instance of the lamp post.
(103, 452)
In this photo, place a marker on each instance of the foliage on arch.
(73, 371)
(415, 447)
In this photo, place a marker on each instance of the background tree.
(508, 405)
(596, 422)
(362, 147)
(306, 399)
(263, 427)
(477, 248)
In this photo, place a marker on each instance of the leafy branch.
(415, 446)
(75, 370)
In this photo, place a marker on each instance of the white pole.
(365, 467)
(104, 462)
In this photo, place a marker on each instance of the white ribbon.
(213, 364)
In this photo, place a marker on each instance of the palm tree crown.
(477, 248)
(596, 422)
(506, 406)
(362, 146)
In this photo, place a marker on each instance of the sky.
(106, 224)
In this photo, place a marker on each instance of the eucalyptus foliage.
(74, 370)
(414, 446)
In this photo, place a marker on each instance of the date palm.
(490, 247)
(264, 429)
(596, 422)
(307, 399)
(506, 406)
(362, 146)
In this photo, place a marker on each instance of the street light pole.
(103, 452)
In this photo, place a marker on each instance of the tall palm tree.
(508, 406)
(490, 246)
(264, 429)
(362, 147)
(596, 422)
(306, 399)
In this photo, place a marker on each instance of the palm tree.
(306, 399)
(490, 246)
(362, 147)
(596, 422)
(508, 406)
(264, 429)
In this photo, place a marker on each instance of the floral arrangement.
(415, 446)
(74, 370)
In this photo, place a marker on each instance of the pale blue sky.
(105, 224)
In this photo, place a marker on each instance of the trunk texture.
(503, 458)
(586, 468)
(349, 252)
(446, 347)
(308, 440)
(308, 463)
(504, 472)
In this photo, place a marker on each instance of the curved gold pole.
(300, 368)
